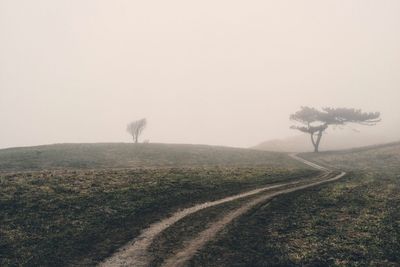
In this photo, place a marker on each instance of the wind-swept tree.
(315, 122)
(135, 128)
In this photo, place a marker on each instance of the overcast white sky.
(221, 72)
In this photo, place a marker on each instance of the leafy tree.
(135, 128)
(315, 122)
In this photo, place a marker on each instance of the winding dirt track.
(135, 253)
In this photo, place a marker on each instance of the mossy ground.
(353, 222)
(59, 218)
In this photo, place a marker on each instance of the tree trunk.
(316, 142)
(316, 149)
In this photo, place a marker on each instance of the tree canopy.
(315, 122)
(135, 128)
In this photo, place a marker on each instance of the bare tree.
(315, 122)
(135, 128)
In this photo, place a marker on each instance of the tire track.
(181, 257)
(135, 253)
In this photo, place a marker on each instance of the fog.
(219, 72)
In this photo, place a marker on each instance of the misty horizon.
(219, 73)
(199, 133)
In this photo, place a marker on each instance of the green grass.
(175, 238)
(120, 155)
(373, 158)
(353, 222)
(66, 216)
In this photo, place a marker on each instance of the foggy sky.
(219, 72)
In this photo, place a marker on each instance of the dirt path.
(309, 163)
(135, 253)
(180, 258)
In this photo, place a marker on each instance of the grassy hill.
(123, 155)
(332, 140)
(74, 204)
(372, 158)
(353, 222)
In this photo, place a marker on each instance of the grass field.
(353, 222)
(122, 155)
(77, 214)
(373, 158)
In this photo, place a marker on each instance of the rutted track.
(135, 253)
